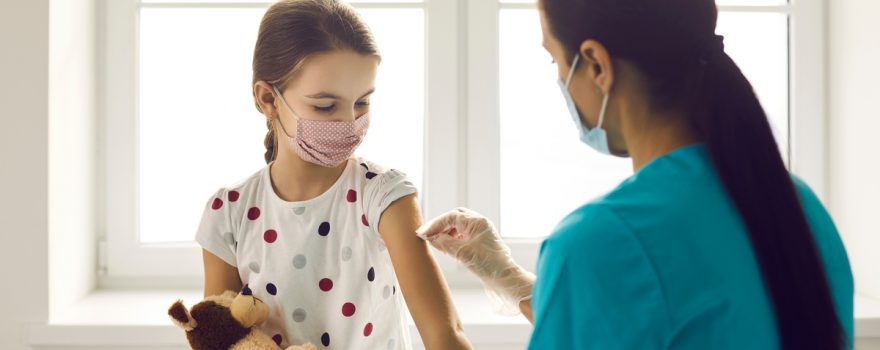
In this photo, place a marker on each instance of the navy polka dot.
(271, 289)
(324, 229)
(371, 275)
(325, 339)
(370, 175)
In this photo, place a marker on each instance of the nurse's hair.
(294, 30)
(673, 44)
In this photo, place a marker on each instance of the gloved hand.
(472, 239)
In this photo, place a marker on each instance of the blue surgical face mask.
(595, 137)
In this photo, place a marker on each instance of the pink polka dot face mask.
(323, 142)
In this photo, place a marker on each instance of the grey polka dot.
(391, 344)
(254, 266)
(229, 238)
(299, 261)
(299, 210)
(386, 292)
(346, 254)
(299, 315)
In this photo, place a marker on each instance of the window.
(457, 90)
(188, 125)
(531, 106)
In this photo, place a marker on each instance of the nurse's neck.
(648, 134)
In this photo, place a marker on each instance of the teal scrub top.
(664, 262)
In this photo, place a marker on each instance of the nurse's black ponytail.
(672, 43)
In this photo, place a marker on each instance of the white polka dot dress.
(320, 265)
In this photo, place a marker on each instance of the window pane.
(537, 132)
(719, 2)
(199, 129)
(751, 2)
(260, 1)
(758, 43)
(397, 126)
(546, 172)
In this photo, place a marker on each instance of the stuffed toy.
(226, 322)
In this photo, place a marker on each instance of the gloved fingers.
(460, 223)
(446, 243)
(442, 224)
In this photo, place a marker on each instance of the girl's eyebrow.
(326, 95)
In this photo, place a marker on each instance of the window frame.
(462, 163)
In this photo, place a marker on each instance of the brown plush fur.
(216, 329)
(212, 325)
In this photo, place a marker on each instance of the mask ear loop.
(574, 63)
(602, 110)
(280, 97)
(598, 89)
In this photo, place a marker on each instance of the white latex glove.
(472, 239)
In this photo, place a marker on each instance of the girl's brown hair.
(292, 31)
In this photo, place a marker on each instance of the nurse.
(711, 244)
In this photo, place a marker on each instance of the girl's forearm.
(454, 340)
(525, 307)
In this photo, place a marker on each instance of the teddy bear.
(226, 322)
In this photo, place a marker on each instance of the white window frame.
(462, 163)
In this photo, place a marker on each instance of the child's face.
(330, 86)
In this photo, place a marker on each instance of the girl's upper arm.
(219, 275)
(421, 281)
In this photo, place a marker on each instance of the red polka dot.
(277, 339)
(232, 195)
(352, 196)
(217, 203)
(254, 213)
(368, 329)
(325, 284)
(364, 220)
(270, 236)
(348, 309)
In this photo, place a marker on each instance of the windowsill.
(138, 318)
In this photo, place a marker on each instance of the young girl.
(307, 234)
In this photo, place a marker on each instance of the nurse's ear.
(600, 68)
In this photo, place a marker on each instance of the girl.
(325, 239)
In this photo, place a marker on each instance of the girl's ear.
(265, 97)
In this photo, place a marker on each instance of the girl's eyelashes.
(331, 108)
(326, 109)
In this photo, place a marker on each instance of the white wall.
(24, 35)
(47, 159)
(854, 134)
(72, 151)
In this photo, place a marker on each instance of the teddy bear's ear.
(181, 317)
